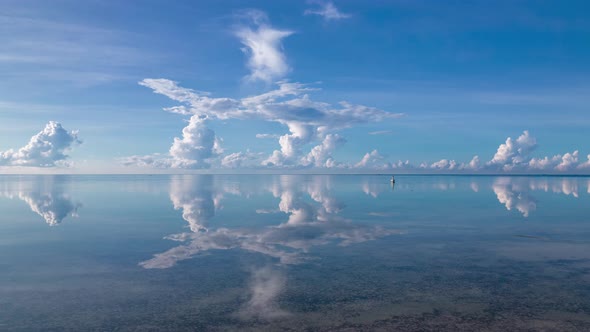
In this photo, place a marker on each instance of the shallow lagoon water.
(294, 252)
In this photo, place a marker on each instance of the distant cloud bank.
(512, 156)
(313, 122)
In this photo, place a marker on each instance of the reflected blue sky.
(267, 252)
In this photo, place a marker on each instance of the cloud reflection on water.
(312, 213)
(309, 223)
(515, 192)
(312, 220)
(195, 197)
(266, 285)
(45, 196)
(514, 196)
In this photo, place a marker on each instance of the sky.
(294, 86)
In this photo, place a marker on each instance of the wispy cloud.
(328, 11)
(267, 136)
(262, 42)
(38, 49)
(380, 132)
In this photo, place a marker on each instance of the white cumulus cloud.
(514, 153)
(512, 156)
(321, 155)
(373, 160)
(48, 148)
(196, 147)
(308, 121)
(565, 162)
(238, 159)
(445, 164)
(586, 164)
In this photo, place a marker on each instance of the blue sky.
(439, 80)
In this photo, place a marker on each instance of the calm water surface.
(194, 253)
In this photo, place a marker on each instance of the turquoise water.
(264, 252)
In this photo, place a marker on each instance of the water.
(258, 252)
